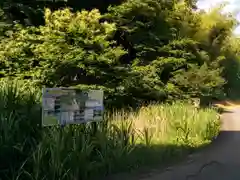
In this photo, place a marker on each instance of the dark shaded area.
(32, 12)
(121, 38)
(212, 165)
(231, 72)
(145, 159)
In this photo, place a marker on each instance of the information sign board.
(61, 106)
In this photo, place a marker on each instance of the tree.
(164, 36)
(72, 48)
(141, 50)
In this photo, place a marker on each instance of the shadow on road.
(144, 160)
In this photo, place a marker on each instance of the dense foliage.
(124, 141)
(138, 51)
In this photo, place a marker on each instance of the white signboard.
(61, 106)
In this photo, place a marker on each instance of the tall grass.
(123, 141)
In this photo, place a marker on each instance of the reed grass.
(123, 141)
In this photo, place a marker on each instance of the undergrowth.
(122, 142)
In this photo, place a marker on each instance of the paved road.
(220, 161)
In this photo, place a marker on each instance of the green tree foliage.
(70, 48)
(140, 50)
(165, 36)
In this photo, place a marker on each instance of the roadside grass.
(124, 141)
